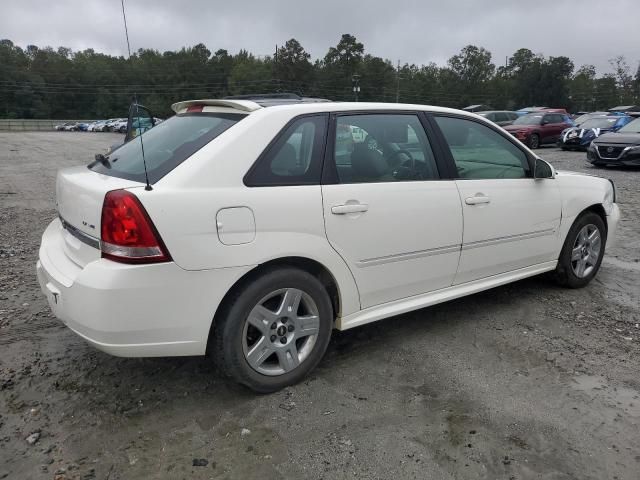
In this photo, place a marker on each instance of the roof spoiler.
(242, 105)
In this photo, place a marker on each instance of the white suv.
(261, 229)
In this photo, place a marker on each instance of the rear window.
(166, 145)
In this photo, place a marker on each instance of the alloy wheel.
(280, 331)
(586, 251)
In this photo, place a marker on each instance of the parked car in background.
(477, 108)
(246, 231)
(617, 148)
(63, 126)
(539, 128)
(500, 117)
(82, 127)
(120, 127)
(580, 119)
(114, 124)
(625, 109)
(528, 110)
(580, 137)
(98, 126)
(71, 127)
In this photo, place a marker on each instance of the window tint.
(166, 146)
(294, 158)
(480, 152)
(382, 148)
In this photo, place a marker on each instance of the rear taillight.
(127, 233)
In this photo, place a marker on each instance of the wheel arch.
(598, 209)
(303, 263)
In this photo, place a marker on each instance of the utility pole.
(355, 83)
(398, 83)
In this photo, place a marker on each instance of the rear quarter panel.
(288, 220)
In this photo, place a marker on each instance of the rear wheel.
(275, 330)
(534, 141)
(582, 252)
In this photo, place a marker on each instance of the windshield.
(599, 123)
(166, 145)
(531, 119)
(633, 127)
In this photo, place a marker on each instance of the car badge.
(610, 149)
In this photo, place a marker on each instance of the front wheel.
(582, 251)
(275, 330)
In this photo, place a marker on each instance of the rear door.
(388, 212)
(511, 220)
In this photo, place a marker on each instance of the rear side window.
(166, 145)
(295, 156)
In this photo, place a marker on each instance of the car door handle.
(477, 199)
(349, 208)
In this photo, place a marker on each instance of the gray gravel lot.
(523, 381)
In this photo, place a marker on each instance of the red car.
(539, 128)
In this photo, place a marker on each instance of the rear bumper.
(132, 310)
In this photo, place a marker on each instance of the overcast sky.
(412, 31)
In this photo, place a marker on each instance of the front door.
(387, 213)
(511, 220)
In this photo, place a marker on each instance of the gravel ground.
(523, 381)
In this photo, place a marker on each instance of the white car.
(260, 229)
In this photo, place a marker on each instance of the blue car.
(580, 137)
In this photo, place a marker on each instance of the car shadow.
(114, 379)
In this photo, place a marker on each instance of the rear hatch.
(80, 194)
(80, 191)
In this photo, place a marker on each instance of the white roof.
(247, 106)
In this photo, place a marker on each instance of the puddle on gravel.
(623, 398)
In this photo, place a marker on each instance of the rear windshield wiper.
(102, 159)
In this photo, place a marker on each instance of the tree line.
(60, 83)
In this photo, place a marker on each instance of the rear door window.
(166, 146)
(386, 148)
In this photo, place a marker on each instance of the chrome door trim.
(509, 238)
(399, 257)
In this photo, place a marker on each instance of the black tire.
(564, 273)
(534, 141)
(229, 332)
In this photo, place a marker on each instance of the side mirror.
(140, 120)
(543, 170)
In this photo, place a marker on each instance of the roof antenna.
(135, 100)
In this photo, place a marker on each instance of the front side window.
(294, 158)
(480, 152)
(382, 148)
